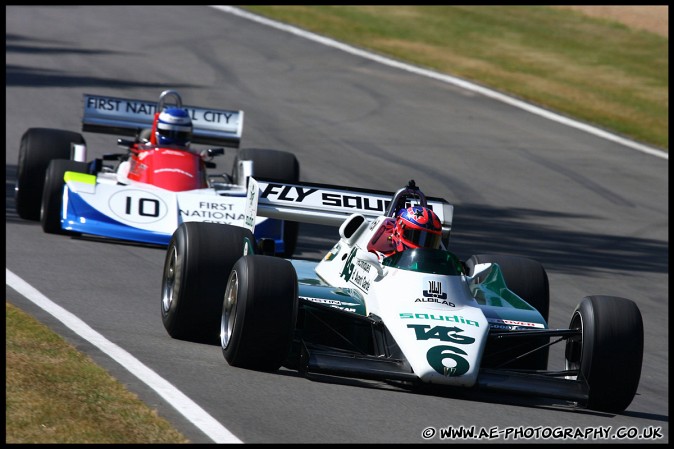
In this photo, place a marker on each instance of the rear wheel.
(528, 280)
(259, 313)
(198, 261)
(275, 165)
(609, 352)
(38, 147)
(51, 209)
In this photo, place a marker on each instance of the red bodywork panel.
(170, 169)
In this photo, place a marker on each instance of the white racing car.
(419, 316)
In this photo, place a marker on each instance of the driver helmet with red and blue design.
(417, 227)
(174, 127)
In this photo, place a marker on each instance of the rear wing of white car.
(326, 204)
(110, 115)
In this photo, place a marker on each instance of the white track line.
(447, 79)
(184, 405)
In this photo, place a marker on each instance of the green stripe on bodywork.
(493, 292)
(499, 302)
(79, 177)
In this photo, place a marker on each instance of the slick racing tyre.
(51, 208)
(38, 147)
(278, 166)
(198, 261)
(259, 313)
(528, 280)
(610, 351)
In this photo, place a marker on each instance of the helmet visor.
(174, 135)
(422, 238)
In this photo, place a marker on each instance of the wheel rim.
(574, 347)
(42, 216)
(229, 309)
(169, 281)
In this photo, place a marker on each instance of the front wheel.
(198, 261)
(609, 352)
(259, 313)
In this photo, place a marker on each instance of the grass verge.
(55, 394)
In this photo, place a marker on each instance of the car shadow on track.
(463, 394)
(458, 394)
(518, 231)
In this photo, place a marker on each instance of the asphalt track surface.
(594, 212)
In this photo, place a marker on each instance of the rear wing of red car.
(111, 115)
